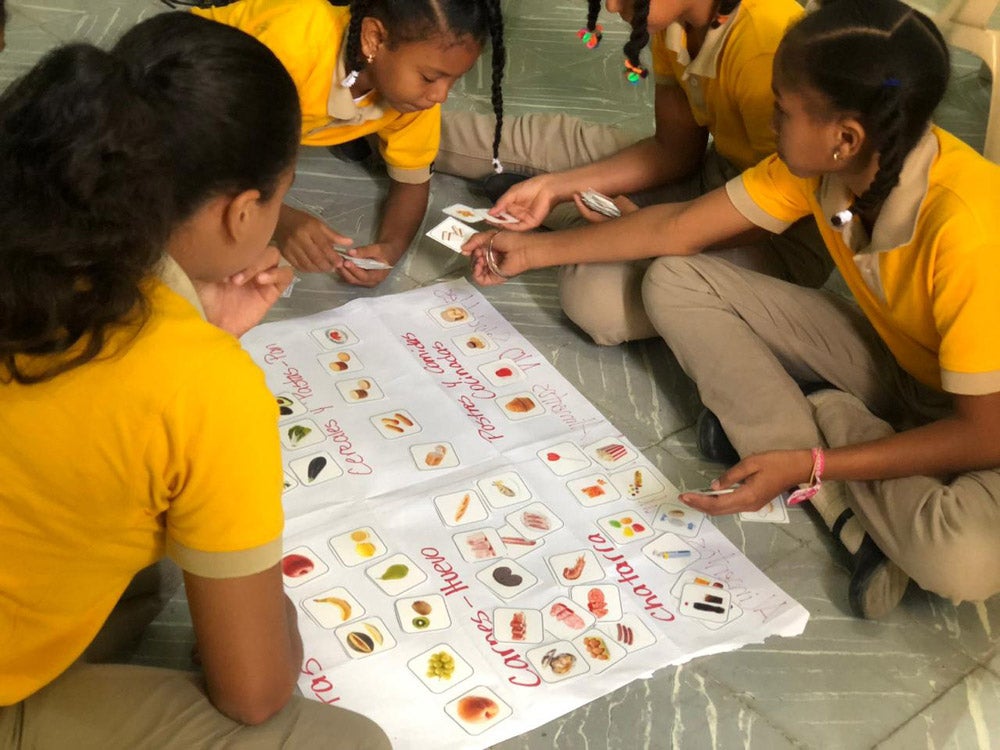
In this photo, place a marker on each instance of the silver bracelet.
(491, 262)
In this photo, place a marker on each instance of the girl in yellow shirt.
(906, 439)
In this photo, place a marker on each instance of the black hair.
(882, 60)
(92, 147)
(639, 37)
(229, 110)
(416, 20)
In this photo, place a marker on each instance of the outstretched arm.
(964, 441)
(665, 229)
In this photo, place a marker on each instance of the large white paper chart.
(474, 549)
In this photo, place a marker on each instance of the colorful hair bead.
(634, 73)
(591, 38)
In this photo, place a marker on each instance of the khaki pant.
(604, 299)
(747, 340)
(110, 706)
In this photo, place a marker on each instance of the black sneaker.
(357, 150)
(497, 184)
(877, 584)
(713, 443)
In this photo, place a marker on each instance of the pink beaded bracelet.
(815, 479)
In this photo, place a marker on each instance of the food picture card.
(472, 548)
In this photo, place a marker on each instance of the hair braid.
(495, 18)
(888, 123)
(353, 58)
(637, 41)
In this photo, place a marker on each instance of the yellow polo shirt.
(166, 444)
(928, 277)
(728, 83)
(309, 37)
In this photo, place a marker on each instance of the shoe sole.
(874, 595)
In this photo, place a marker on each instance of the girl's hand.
(508, 256)
(624, 203)
(307, 242)
(240, 302)
(763, 477)
(360, 276)
(529, 201)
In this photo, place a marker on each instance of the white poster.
(473, 548)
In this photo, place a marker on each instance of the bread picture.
(520, 405)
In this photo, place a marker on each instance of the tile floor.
(927, 677)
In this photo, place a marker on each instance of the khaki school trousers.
(747, 339)
(533, 144)
(111, 706)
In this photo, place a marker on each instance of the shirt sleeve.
(409, 145)
(223, 474)
(770, 196)
(966, 313)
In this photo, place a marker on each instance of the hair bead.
(591, 38)
(842, 218)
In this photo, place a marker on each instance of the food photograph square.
(466, 213)
(599, 650)
(336, 363)
(474, 343)
(334, 337)
(611, 453)
(555, 662)
(452, 233)
(563, 459)
(671, 553)
(581, 566)
(315, 469)
(300, 434)
(357, 546)
(480, 545)
(734, 613)
(518, 625)
(300, 565)
(564, 618)
(365, 637)
(460, 508)
(451, 316)
(440, 668)
(603, 601)
(396, 574)
(478, 710)
(395, 424)
(502, 490)
(625, 527)
(289, 406)
(502, 372)
(679, 519)
(593, 490)
(431, 456)
(534, 520)
(506, 578)
(704, 603)
(332, 608)
(638, 484)
(520, 406)
(694, 576)
(362, 389)
(421, 614)
(516, 543)
(630, 632)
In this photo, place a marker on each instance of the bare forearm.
(402, 213)
(294, 638)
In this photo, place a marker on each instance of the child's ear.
(240, 213)
(852, 138)
(373, 36)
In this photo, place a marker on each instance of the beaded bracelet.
(815, 479)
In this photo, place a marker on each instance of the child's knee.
(964, 567)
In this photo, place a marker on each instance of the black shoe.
(356, 150)
(877, 584)
(497, 184)
(713, 443)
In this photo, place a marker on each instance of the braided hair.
(880, 59)
(639, 38)
(417, 20)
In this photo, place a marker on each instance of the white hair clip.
(842, 218)
(350, 79)
(497, 166)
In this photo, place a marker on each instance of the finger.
(331, 236)
(625, 204)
